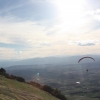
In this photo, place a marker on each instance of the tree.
(48, 89)
(2, 71)
(20, 79)
(55, 92)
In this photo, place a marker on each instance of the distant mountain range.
(49, 60)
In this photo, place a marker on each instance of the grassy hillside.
(14, 90)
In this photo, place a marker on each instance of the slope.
(14, 90)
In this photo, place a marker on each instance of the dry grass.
(14, 90)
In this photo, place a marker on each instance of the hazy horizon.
(57, 56)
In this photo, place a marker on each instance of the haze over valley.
(72, 78)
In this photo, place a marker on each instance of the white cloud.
(86, 44)
(7, 53)
(38, 43)
(21, 32)
(94, 13)
(83, 42)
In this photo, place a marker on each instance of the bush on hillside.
(55, 92)
(2, 71)
(20, 79)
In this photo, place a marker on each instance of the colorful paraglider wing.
(85, 57)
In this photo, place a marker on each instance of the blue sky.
(28, 10)
(40, 28)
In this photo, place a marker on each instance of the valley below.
(73, 80)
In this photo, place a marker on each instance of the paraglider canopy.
(85, 57)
